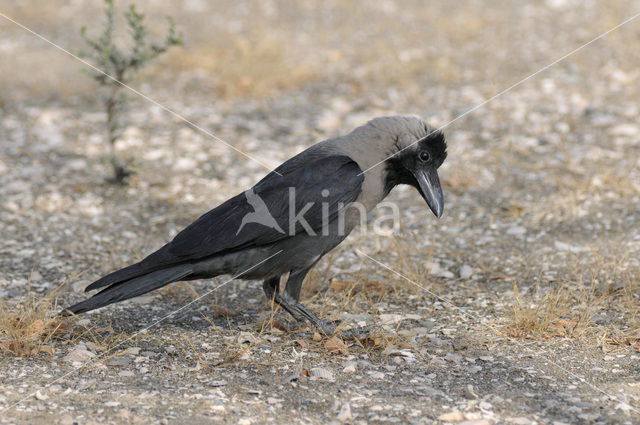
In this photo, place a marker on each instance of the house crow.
(292, 217)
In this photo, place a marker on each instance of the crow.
(292, 217)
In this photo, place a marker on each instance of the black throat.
(397, 173)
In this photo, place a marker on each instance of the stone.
(465, 271)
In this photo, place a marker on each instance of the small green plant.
(122, 67)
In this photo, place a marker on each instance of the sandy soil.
(519, 306)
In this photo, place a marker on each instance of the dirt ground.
(519, 306)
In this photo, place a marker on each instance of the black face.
(417, 166)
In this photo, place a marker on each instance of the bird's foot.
(279, 322)
(360, 332)
(333, 328)
(324, 327)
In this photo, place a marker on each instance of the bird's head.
(416, 153)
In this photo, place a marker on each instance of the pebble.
(119, 361)
(141, 300)
(520, 421)
(571, 248)
(452, 417)
(377, 375)
(626, 130)
(437, 270)
(77, 164)
(79, 354)
(322, 373)
(345, 415)
(477, 422)
(445, 274)
(465, 271)
(516, 230)
(350, 368)
(92, 346)
(132, 350)
(387, 319)
(184, 164)
(624, 407)
(484, 405)
(246, 338)
(453, 357)
(469, 393)
(86, 384)
(66, 420)
(218, 408)
(433, 267)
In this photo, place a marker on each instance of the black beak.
(430, 189)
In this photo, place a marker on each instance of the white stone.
(345, 414)
(79, 354)
(628, 130)
(465, 271)
(322, 373)
(516, 230)
(350, 368)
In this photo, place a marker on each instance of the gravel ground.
(519, 306)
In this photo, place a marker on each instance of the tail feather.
(132, 288)
(122, 275)
(159, 260)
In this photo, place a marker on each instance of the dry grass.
(567, 310)
(543, 315)
(255, 53)
(29, 327)
(33, 326)
(241, 66)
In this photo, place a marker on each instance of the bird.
(291, 218)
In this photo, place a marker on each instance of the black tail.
(159, 260)
(132, 288)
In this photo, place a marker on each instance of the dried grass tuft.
(29, 327)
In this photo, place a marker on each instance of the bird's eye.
(424, 156)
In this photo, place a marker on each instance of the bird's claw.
(329, 328)
(284, 325)
(361, 332)
(324, 327)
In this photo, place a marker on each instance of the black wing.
(334, 181)
(304, 184)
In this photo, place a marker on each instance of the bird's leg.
(297, 309)
(327, 328)
(271, 288)
(290, 301)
